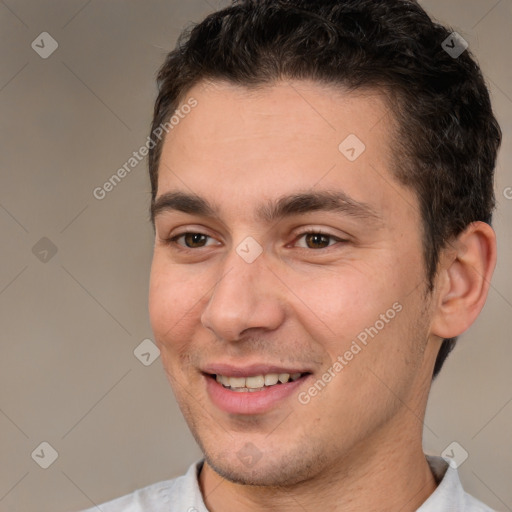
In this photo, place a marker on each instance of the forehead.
(306, 108)
(240, 144)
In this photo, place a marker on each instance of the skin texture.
(357, 444)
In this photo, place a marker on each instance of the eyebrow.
(298, 203)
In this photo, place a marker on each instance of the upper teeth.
(257, 381)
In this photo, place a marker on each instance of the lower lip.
(250, 402)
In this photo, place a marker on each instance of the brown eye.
(317, 240)
(194, 239)
(191, 240)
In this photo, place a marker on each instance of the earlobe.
(466, 269)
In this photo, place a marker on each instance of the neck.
(377, 475)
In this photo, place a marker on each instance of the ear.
(463, 280)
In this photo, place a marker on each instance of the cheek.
(360, 309)
(170, 300)
(348, 297)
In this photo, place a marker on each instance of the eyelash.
(172, 241)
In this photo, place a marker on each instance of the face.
(298, 259)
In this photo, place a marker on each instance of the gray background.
(69, 325)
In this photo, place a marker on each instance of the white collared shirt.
(182, 494)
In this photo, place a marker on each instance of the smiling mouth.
(256, 382)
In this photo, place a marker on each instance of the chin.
(282, 471)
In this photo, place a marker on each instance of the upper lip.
(229, 370)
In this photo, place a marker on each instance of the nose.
(245, 297)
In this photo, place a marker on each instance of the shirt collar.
(449, 494)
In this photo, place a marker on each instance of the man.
(322, 188)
